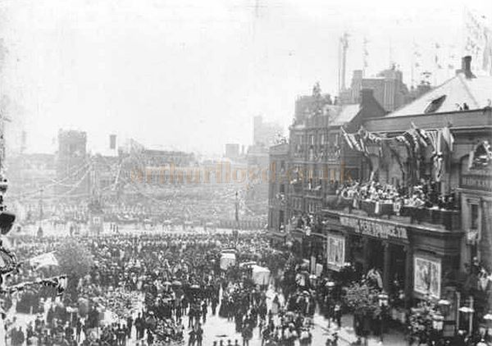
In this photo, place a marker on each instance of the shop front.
(407, 261)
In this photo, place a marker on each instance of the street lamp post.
(438, 324)
(444, 307)
(488, 320)
(383, 303)
(330, 285)
(469, 312)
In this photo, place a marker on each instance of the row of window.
(332, 139)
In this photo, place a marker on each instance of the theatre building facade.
(418, 218)
(422, 219)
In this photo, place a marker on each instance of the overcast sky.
(190, 75)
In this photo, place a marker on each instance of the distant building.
(402, 194)
(388, 86)
(278, 187)
(257, 191)
(232, 151)
(157, 158)
(31, 179)
(315, 162)
(306, 105)
(72, 164)
(151, 166)
(265, 133)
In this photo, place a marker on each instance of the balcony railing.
(445, 218)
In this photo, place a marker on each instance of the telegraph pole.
(342, 60)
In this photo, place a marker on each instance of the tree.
(75, 261)
(363, 298)
(420, 322)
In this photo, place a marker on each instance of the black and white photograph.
(245, 173)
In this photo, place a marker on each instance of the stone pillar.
(365, 243)
(408, 275)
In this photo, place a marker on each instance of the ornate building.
(415, 212)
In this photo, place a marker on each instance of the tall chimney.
(466, 67)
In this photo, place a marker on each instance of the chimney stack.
(466, 67)
(366, 96)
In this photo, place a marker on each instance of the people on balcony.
(424, 195)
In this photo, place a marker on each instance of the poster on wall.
(427, 276)
(335, 250)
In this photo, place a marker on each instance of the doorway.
(397, 272)
(375, 254)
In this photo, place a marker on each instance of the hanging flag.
(433, 136)
(415, 139)
(471, 157)
(448, 137)
(438, 157)
(347, 139)
(422, 136)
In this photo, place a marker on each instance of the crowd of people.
(161, 288)
(152, 204)
(425, 194)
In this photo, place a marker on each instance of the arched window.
(481, 155)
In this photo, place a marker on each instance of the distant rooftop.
(341, 115)
(462, 92)
(335, 115)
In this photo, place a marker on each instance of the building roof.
(279, 149)
(450, 96)
(338, 115)
(344, 114)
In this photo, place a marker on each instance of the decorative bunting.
(57, 282)
(414, 139)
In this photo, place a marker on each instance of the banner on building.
(427, 276)
(335, 252)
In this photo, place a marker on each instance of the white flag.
(44, 260)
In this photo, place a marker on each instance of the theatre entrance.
(390, 261)
(375, 255)
(397, 272)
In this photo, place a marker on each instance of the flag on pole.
(345, 135)
(44, 260)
